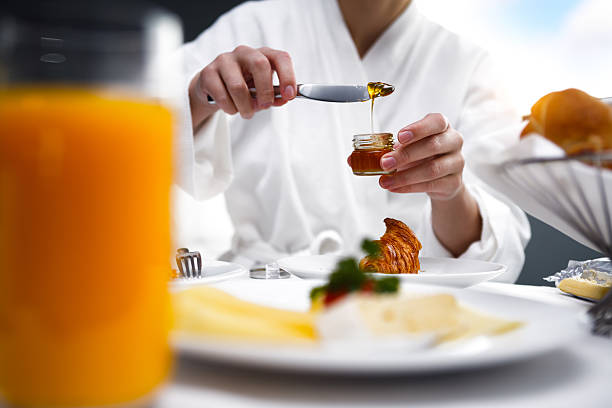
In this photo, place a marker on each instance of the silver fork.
(189, 263)
(601, 314)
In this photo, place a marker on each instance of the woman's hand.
(427, 159)
(228, 78)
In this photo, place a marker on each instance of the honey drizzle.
(375, 90)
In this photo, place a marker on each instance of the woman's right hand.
(228, 78)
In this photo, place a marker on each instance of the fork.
(189, 263)
(601, 315)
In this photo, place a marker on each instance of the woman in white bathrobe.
(282, 163)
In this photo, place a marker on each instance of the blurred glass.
(85, 173)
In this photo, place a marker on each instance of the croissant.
(399, 250)
(572, 119)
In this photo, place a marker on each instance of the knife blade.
(323, 93)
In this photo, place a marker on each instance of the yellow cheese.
(214, 313)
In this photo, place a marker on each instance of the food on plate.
(370, 316)
(348, 277)
(205, 310)
(572, 119)
(399, 250)
(354, 305)
(590, 284)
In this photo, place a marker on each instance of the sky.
(539, 45)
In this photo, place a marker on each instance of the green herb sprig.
(349, 277)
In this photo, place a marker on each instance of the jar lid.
(373, 140)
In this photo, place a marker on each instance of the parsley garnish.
(387, 285)
(371, 248)
(349, 277)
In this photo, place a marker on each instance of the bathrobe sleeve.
(204, 155)
(488, 123)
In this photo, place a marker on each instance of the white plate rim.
(295, 359)
(236, 271)
(462, 280)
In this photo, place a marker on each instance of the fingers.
(406, 156)
(427, 171)
(431, 124)
(231, 75)
(228, 79)
(446, 187)
(427, 159)
(430, 176)
(210, 83)
(282, 64)
(255, 63)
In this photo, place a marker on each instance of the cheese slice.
(389, 316)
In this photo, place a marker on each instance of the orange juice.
(84, 246)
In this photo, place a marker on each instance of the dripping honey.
(369, 148)
(375, 90)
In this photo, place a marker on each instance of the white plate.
(546, 327)
(459, 273)
(213, 271)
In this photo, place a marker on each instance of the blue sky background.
(533, 16)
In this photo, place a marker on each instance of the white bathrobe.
(287, 184)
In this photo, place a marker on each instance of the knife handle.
(253, 92)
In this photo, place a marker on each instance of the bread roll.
(572, 119)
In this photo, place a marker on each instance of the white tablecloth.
(579, 375)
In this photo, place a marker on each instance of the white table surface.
(579, 375)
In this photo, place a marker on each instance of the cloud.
(585, 46)
(574, 49)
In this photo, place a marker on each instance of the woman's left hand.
(427, 159)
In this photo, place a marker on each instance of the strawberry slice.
(368, 286)
(331, 297)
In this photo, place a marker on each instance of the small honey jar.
(369, 148)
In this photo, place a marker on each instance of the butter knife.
(324, 93)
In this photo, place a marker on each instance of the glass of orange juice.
(85, 173)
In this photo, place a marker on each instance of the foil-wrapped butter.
(590, 279)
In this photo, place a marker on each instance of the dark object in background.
(197, 15)
(548, 252)
(78, 41)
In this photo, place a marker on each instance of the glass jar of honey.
(368, 150)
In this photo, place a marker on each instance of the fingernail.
(405, 136)
(266, 105)
(388, 162)
(289, 92)
(385, 182)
